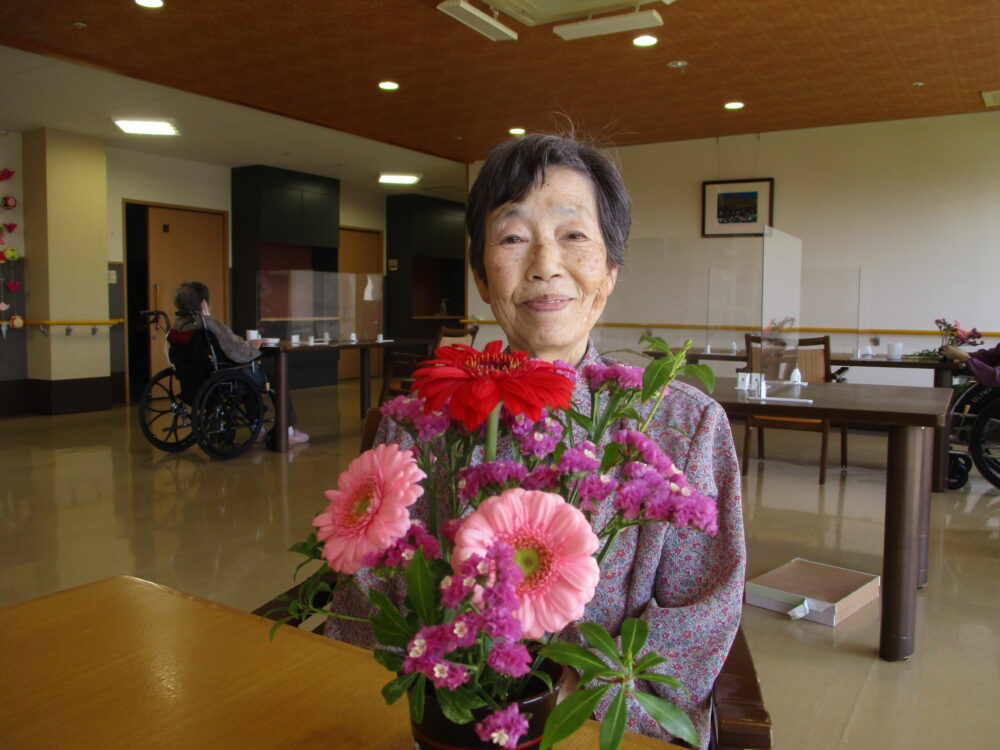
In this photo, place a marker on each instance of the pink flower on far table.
(369, 510)
(553, 544)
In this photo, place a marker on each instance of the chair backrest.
(811, 356)
(192, 355)
(449, 336)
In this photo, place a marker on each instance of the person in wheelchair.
(193, 316)
(984, 364)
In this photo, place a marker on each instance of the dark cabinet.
(280, 215)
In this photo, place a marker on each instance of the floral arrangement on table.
(514, 559)
(775, 330)
(952, 334)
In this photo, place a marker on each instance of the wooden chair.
(399, 366)
(812, 357)
(739, 719)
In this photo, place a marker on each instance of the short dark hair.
(189, 297)
(516, 166)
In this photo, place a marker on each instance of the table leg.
(901, 551)
(942, 439)
(925, 503)
(366, 381)
(281, 403)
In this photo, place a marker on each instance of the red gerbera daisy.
(477, 381)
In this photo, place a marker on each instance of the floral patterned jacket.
(688, 586)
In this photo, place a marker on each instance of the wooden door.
(184, 246)
(360, 251)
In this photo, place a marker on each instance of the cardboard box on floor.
(813, 591)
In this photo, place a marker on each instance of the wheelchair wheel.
(959, 465)
(164, 418)
(228, 415)
(984, 443)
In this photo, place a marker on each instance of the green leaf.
(612, 454)
(648, 661)
(420, 588)
(585, 422)
(454, 706)
(570, 715)
(704, 373)
(598, 638)
(656, 343)
(668, 716)
(394, 690)
(389, 626)
(613, 724)
(655, 377)
(417, 698)
(589, 675)
(634, 634)
(391, 660)
(573, 655)
(664, 678)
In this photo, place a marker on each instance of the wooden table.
(364, 346)
(910, 413)
(943, 369)
(125, 663)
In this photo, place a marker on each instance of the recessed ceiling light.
(516, 131)
(150, 3)
(918, 84)
(388, 85)
(79, 25)
(734, 105)
(148, 127)
(677, 64)
(396, 178)
(646, 40)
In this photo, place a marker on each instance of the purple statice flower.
(403, 408)
(431, 424)
(448, 675)
(454, 590)
(581, 457)
(450, 527)
(617, 377)
(499, 594)
(637, 445)
(511, 659)
(544, 477)
(594, 488)
(543, 439)
(491, 478)
(504, 727)
(519, 426)
(402, 550)
(464, 629)
(566, 369)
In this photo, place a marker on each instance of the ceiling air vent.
(537, 12)
(991, 98)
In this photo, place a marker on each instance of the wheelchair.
(974, 425)
(202, 398)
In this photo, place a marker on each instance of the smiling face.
(547, 277)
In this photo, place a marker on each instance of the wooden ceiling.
(795, 63)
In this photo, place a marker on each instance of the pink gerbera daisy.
(369, 511)
(553, 544)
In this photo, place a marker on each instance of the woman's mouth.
(547, 303)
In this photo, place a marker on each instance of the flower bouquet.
(955, 335)
(520, 509)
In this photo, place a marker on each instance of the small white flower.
(469, 582)
(483, 567)
(460, 629)
(417, 648)
(440, 671)
(407, 554)
(605, 478)
(686, 492)
(446, 583)
(499, 737)
(674, 487)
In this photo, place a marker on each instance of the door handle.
(156, 306)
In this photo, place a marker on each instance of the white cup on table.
(252, 335)
(354, 338)
(296, 339)
(378, 338)
(894, 349)
(312, 340)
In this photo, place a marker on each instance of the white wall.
(911, 206)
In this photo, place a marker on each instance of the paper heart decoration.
(6, 174)
(13, 285)
(10, 227)
(4, 307)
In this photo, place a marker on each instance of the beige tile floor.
(83, 497)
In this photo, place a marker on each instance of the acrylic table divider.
(129, 663)
(909, 413)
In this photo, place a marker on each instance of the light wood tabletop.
(126, 663)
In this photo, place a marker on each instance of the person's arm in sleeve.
(235, 347)
(984, 365)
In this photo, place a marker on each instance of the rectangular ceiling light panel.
(538, 12)
(609, 25)
(147, 127)
(476, 20)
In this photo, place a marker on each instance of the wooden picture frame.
(737, 208)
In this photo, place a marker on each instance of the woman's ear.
(612, 279)
(204, 307)
(483, 287)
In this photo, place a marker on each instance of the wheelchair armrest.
(837, 376)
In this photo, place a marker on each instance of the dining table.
(943, 370)
(286, 349)
(910, 414)
(128, 663)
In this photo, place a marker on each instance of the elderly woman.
(548, 220)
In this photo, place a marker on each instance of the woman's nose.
(545, 260)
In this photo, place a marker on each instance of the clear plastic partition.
(781, 291)
(319, 304)
(834, 304)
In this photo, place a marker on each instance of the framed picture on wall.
(737, 208)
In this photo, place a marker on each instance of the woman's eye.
(576, 236)
(511, 239)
